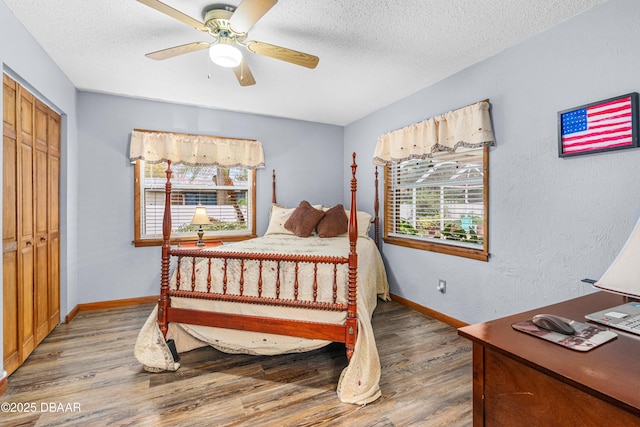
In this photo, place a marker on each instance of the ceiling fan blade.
(177, 50)
(283, 54)
(174, 13)
(248, 13)
(243, 74)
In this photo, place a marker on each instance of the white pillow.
(279, 215)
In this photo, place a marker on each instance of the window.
(439, 203)
(227, 193)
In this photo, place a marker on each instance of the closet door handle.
(43, 239)
(29, 243)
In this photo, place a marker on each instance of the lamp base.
(200, 242)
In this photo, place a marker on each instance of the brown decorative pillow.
(334, 223)
(303, 219)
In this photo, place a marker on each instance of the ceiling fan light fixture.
(225, 55)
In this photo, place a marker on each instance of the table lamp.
(622, 275)
(200, 218)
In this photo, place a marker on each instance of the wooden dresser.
(522, 380)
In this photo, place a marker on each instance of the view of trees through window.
(225, 193)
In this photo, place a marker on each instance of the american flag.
(597, 127)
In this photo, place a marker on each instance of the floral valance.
(197, 150)
(466, 128)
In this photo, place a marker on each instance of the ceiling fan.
(228, 25)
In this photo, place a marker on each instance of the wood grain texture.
(515, 394)
(522, 380)
(4, 384)
(426, 379)
(30, 217)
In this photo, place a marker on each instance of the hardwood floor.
(85, 373)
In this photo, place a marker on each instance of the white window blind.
(226, 193)
(440, 199)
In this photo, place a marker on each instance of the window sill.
(477, 254)
(158, 242)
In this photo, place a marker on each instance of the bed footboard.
(212, 264)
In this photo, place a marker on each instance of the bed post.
(164, 302)
(273, 187)
(376, 208)
(352, 320)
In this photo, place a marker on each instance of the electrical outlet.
(442, 286)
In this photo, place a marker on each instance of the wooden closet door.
(11, 356)
(25, 223)
(41, 223)
(53, 139)
(31, 222)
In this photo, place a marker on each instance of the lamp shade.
(225, 55)
(200, 216)
(623, 275)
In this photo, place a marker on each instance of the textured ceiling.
(372, 52)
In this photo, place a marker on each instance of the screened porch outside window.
(438, 203)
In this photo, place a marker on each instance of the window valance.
(463, 129)
(197, 150)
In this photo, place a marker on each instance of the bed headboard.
(376, 202)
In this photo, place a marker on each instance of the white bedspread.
(359, 381)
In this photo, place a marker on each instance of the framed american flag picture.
(611, 124)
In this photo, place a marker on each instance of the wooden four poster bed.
(287, 293)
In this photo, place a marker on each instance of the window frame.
(436, 245)
(140, 241)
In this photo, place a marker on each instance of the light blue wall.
(302, 153)
(24, 60)
(553, 221)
